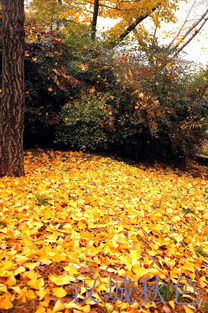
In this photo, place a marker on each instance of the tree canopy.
(128, 13)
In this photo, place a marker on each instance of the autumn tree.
(48, 13)
(128, 13)
(12, 102)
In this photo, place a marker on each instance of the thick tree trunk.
(12, 104)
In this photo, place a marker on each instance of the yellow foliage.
(124, 12)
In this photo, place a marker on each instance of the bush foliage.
(48, 85)
(143, 103)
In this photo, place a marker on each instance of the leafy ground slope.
(76, 216)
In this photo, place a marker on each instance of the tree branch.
(192, 28)
(184, 23)
(192, 37)
(137, 21)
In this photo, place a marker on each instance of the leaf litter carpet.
(86, 233)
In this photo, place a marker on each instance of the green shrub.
(85, 123)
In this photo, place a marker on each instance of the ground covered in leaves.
(85, 233)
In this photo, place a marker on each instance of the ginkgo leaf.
(59, 306)
(187, 309)
(61, 279)
(5, 301)
(59, 292)
(172, 304)
(42, 293)
(3, 288)
(205, 216)
(104, 219)
(71, 269)
(40, 309)
(36, 284)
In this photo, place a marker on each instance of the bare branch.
(155, 32)
(193, 26)
(192, 37)
(184, 23)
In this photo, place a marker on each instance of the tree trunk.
(12, 104)
(94, 19)
(136, 22)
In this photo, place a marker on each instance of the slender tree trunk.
(12, 104)
(131, 27)
(94, 19)
(196, 31)
(193, 29)
(183, 25)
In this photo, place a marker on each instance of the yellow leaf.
(31, 294)
(11, 281)
(31, 266)
(143, 272)
(21, 259)
(40, 309)
(205, 215)
(5, 302)
(84, 66)
(92, 90)
(3, 288)
(16, 289)
(172, 304)
(187, 309)
(130, 73)
(36, 284)
(203, 281)
(42, 293)
(60, 280)
(71, 269)
(19, 270)
(59, 292)
(59, 306)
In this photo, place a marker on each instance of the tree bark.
(196, 31)
(12, 104)
(94, 19)
(183, 25)
(192, 29)
(131, 27)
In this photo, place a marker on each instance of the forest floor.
(86, 233)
